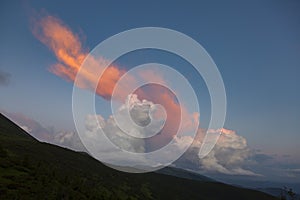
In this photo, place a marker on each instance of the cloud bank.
(231, 155)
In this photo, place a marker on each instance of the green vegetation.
(30, 169)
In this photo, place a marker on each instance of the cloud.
(133, 136)
(33, 127)
(127, 130)
(114, 133)
(70, 53)
(68, 139)
(109, 151)
(230, 155)
(4, 78)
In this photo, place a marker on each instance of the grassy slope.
(33, 170)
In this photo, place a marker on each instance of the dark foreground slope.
(30, 169)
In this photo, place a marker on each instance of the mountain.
(30, 169)
(181, 173)
(280, 192)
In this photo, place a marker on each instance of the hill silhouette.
(30, 169)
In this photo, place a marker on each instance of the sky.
(254, 44)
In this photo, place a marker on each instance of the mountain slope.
(181, 173)
(30, 169)
(280, 192)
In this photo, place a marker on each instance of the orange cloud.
(70, 54)
(62, 41)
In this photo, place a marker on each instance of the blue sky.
(255, 44)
